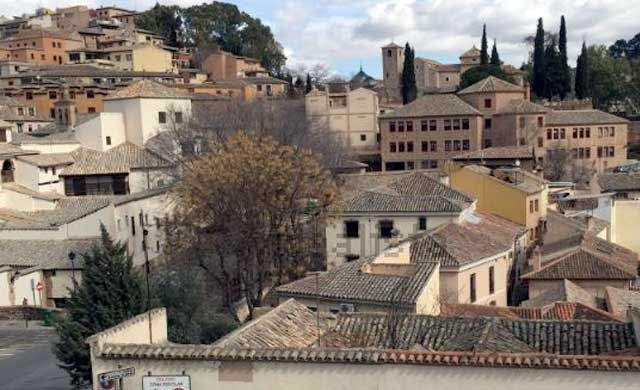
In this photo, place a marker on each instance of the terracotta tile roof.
(416, 192)
(67, 210)
(45, 254)
(622, 363)
(595, 259)
(148, 89)
(64, 137)
(498, 152)
(473, 52)
(448, 67)
(120, 159)
(491, 84)
(433, 105)
(480, 236)
(567, 291)
(522, 106)
(290, 324)
(581, 117)
(10, 150)
(620, 301)
(349, 282)
(619, 181)
(72, 70)
(259, 80)
(49, 195)
(48, 159)
(565, 233)
(369, 330)
(560, 311)
(365, 338)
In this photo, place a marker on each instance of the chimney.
(527, 91)
(65, 109)
(537, 259)
(589, 223)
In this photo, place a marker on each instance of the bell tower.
(392, 63)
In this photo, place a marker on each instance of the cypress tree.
(565, 71)
(408, 82)
(582, 74)
(495, 57)
(110, 292)
(484, 47)
(308, 85)
(553, 72)
(538, 61)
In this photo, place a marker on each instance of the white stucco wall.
(326, 376)
(141, 115)
(22, 288)
(61, 281)
(26, 175)
(152, 208)
(5, 287)
(369, 242)
(93, 133)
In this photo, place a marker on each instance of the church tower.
(392, 63)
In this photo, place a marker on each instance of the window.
(424, 125)
(487, 123)
(118, 57)
(157, 246)
(386, 228)
(409, 126)
(540, 142)
(433, 146)
(549, 133)
(400, 127)
(487, 143)
(162, 117)
(472, 288)
(401, 147)
(612, 131)
(465, 144)
(91, 109)
(433, 125)
(392, 147)
(600, 132)
(599, 151)
(20, 111)
(133, 225)
(409, 147)
(349, 258)
(492, 283)
(457, 145)
(29, 95)
(447, 146)
(129, 57)
(425, 146)
(531, 206)
(487, 103)
(465, 124)
(363, 137)
(587, 152)
(108, 140)
(392, 127)
(178, 116)
(562, 133)
(90, 94)
(32, 111)
(535, 205)
(351, 229)
(581, 132)
(575, 132)
(52, 113)
(422, 223)
(447, 124)
(521, 121)
(53, 95)
(456, 124)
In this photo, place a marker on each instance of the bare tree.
(560, 165)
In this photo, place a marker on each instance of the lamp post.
(72, 257)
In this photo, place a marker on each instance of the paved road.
(26, 360)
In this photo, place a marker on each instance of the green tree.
(223, 24)
(481, 72)
(553, 82)
(408, 81)
(565, 71)
(582, 74)
(309, 84)
(495, 57)
(111, 291)
(192, 317)
(538, 61)
(164, 20)
(484, 47)
(606, 77)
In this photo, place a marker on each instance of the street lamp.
(72, 257)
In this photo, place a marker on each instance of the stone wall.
(32, 313)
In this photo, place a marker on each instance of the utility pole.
(147, 267)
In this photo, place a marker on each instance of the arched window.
(7, 171)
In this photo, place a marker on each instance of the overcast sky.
(347, 33)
